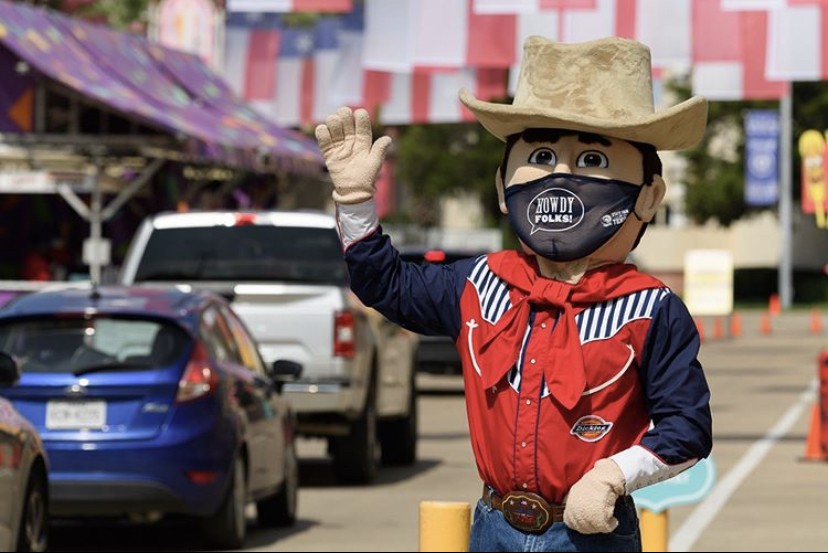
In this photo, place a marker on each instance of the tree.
(715, 167)
(448, 159)
(120, 14)
(716, 179)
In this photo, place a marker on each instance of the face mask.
(564, 217)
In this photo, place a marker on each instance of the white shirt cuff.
(356, 221)
(642, 467)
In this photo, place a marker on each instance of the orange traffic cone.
(774, 305)
(700, 327)
(813, 448)
(736, 324)
(718, 328)
(816, 322)
(765, 323)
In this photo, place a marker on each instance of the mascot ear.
(501, 199)
(650, 198)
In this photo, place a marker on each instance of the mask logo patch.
(590, 428)
(615, 218)
(554, 210)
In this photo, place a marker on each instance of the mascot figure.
(581, 373)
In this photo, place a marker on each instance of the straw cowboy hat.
(603, 86)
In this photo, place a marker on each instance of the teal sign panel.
(691, 486)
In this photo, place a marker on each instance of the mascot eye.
(592, 159)
(813, 162)
(543, 156)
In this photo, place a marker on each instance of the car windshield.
(79, 346)
(244, 253)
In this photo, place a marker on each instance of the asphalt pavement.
(769, 495)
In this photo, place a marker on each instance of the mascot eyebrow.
(650, 160)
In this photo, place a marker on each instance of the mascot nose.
(563, 167)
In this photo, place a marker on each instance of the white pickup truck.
(285, 276)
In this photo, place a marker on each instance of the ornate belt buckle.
(526, 511)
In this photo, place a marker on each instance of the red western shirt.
(542, 412)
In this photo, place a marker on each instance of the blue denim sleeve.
(677, 393)
(422, 298)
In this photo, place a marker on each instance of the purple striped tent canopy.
(171, 91)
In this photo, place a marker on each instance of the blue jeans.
(491, 532)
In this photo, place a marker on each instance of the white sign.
(41, 182)
(27, 182)
(97, 252)
(708, 282)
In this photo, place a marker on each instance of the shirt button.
(494, 389)
(532, 361)
(528, 402)
(543, 325)
(525, 485)
(522, 444)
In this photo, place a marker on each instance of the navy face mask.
(564, 217)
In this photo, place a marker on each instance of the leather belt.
(526, 511)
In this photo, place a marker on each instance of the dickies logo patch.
(590, 428)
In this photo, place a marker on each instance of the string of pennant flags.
(405, 60)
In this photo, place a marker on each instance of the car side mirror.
(284, 370)
(9, 371)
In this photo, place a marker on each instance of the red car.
(24, 485)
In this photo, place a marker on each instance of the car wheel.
(399, 436)
(356, 456)
(280, 510)
(227, 528)
(34, 524)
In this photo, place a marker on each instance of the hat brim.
(675, 128)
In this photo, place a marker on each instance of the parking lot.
(767, 497)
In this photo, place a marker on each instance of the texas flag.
(351, 84)
(729, 54)
(326, 58)
(530, 6)
(752, 5)
(664, 25)
(404, 35)
(251, 49)
(432, 96)
(294, 79)
(276, 6)
(796, 37)
(797, 40)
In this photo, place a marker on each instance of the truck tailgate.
(291, 322)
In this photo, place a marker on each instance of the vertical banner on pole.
(761, 157)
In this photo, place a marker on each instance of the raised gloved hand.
(591, 501)
(352, 157)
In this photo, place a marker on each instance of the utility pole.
(786, 198)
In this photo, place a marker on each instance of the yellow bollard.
(654, 530)
(444, 525)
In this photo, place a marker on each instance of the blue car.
(154, 401)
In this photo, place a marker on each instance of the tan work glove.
(591, 501)
(352, 157)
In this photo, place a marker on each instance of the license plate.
(75, 415)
